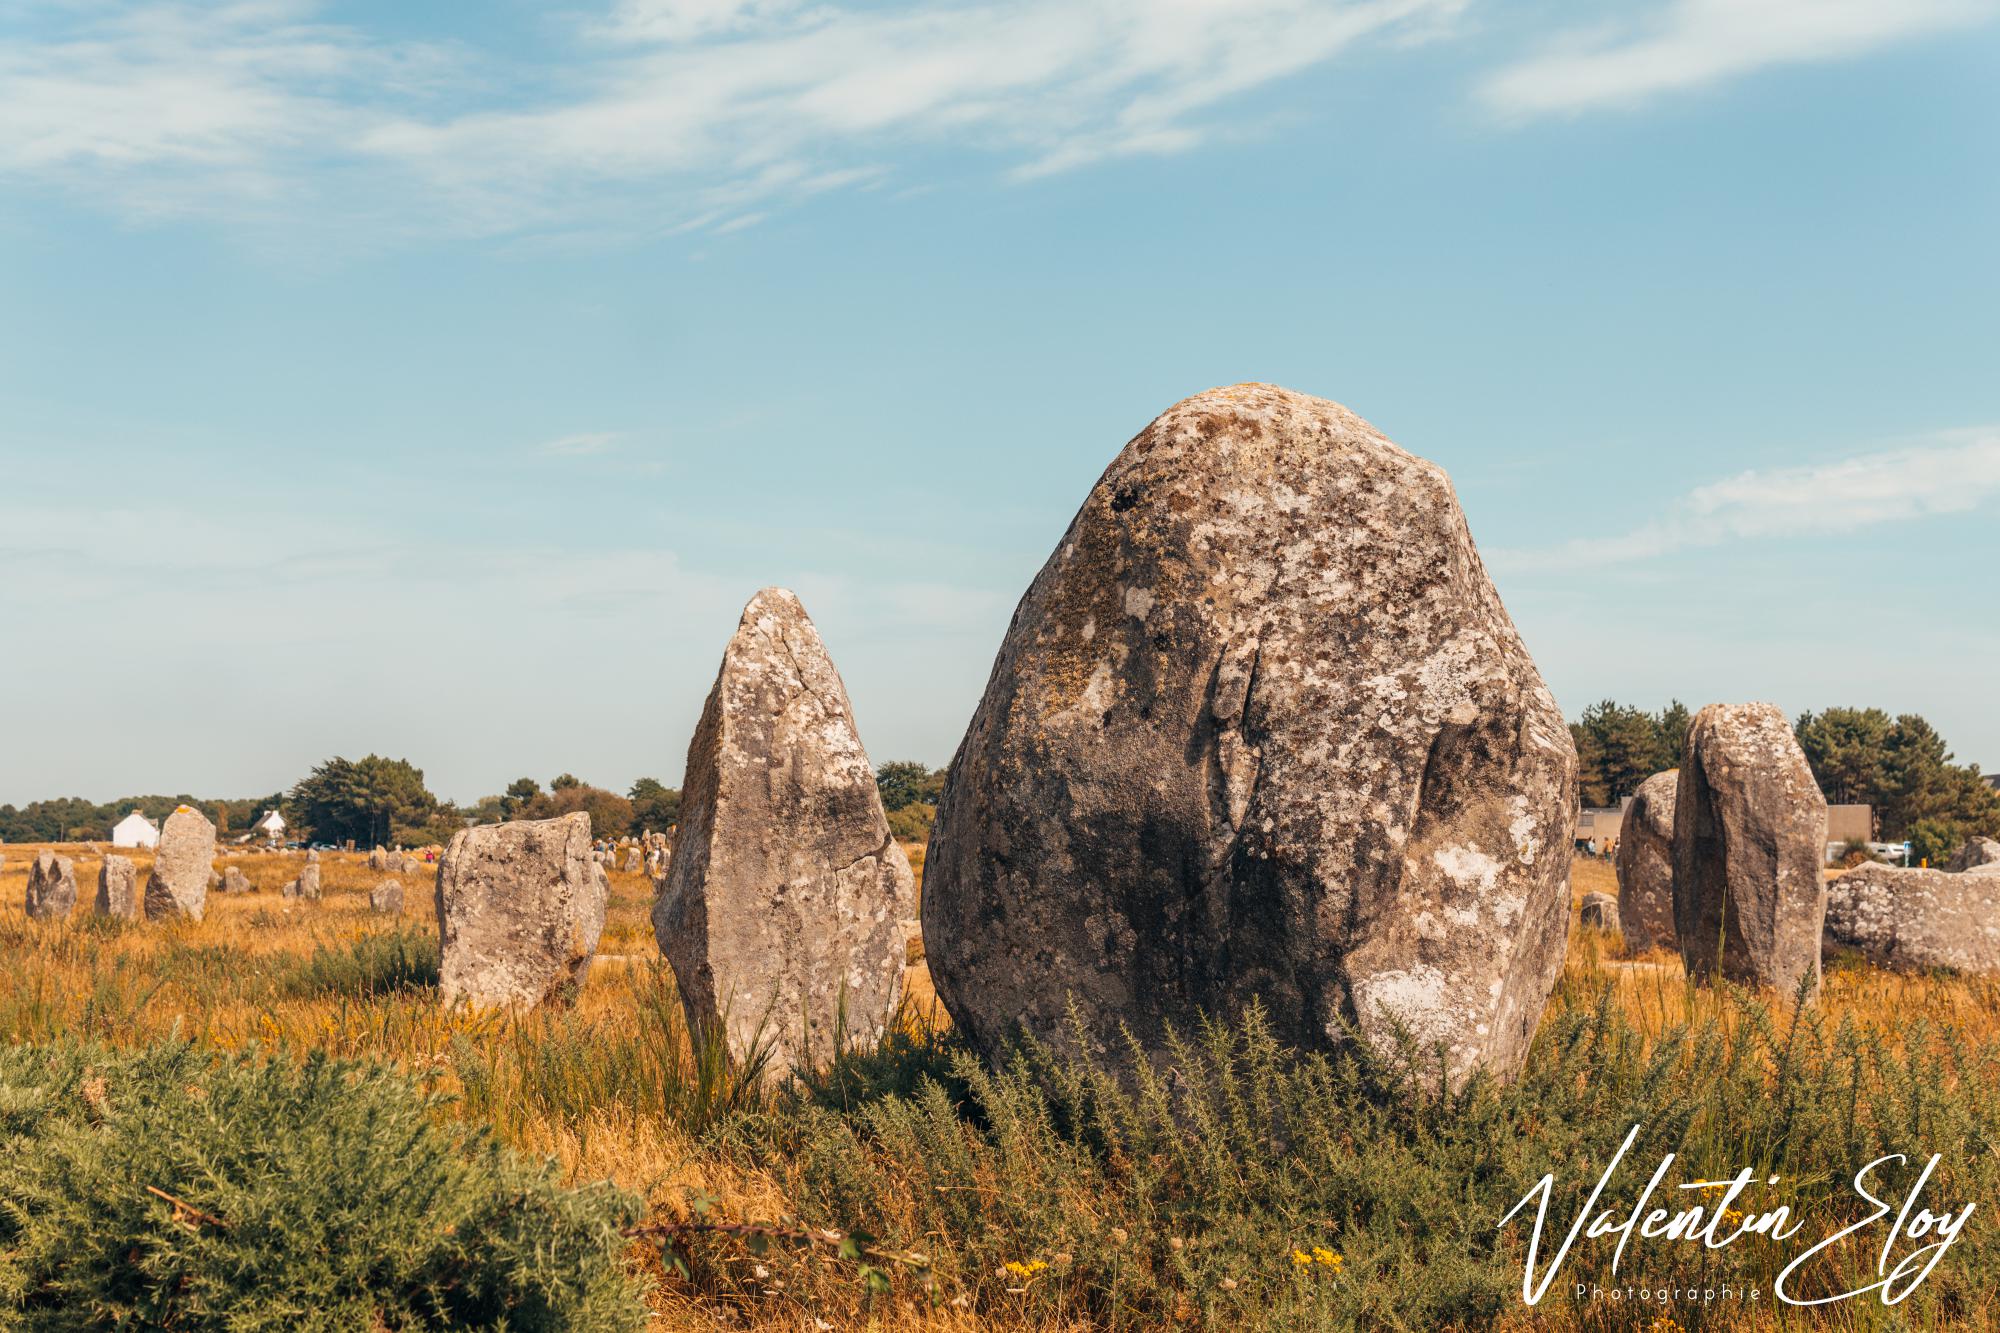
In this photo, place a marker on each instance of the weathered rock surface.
(378, 860)
(784, 904)
(1978, 854)
(519, 908)
(635, 860)
(1749, 843)
(1599, 911)
(179, 883)
(1645, 861)
(51, 886)
(118, 889)
(1912, 920)
(387, 897)
(1260, 730)
(235, 881)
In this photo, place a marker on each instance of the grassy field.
(869, 1201)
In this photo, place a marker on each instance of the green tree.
(905, 781)
(1673, 724)
(565, 782)
(1902, 767)
(370, 800)
(519, 793)
(1618, 747)
(655, 806)
(610, 814)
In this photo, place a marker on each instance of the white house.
(135, 830)
(271, 825)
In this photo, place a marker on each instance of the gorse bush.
(1247, 1186)
(168, 1188)
(368, 966)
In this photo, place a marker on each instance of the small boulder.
(520, 907)
(387, 897)
(1912, 920)
(51, 886)
(179, 883)
(118, 889)
(1645, 861)
(1599, 911)
(235, 881)
(378, 860)
(1749, 842)
(783, 911)
(1977, 855)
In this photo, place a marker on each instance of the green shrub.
(1253, 1187)
(371, 965)
(165, 1187)
(912, 822)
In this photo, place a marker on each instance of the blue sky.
(441, 380)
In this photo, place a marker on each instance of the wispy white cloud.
(1692, 43)
(581, 445)
(661, 112)
(1953, 473)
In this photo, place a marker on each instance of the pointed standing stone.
(1646, 864)
(1749, 847)
(178, 885)
(1260, 731)
(51, 886)
(520, 907)
(118, 889)
(785, 901)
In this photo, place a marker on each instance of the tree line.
(376, 800)
(1899, 765)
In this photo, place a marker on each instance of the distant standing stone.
(1912, 920)
(1261, 731)
(378, 860)
(1645, 861)
(387, 897)
(635, 860)
(306, 885)
(1977, 856)
(118, 889)
(51, 886)
(520, 907)
(1749, 844)
(235, 881)
(784, 905)
(178, 885)
(1599, 911)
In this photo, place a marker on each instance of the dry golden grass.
(209, 980)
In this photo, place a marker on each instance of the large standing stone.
(1912, 920)
(1260, 730)
(51, 886)
(178, 885)
(785, 903)
(118, 889)
(519, 908)
(1978, 854)
(1645, 862)
(1749, 844)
